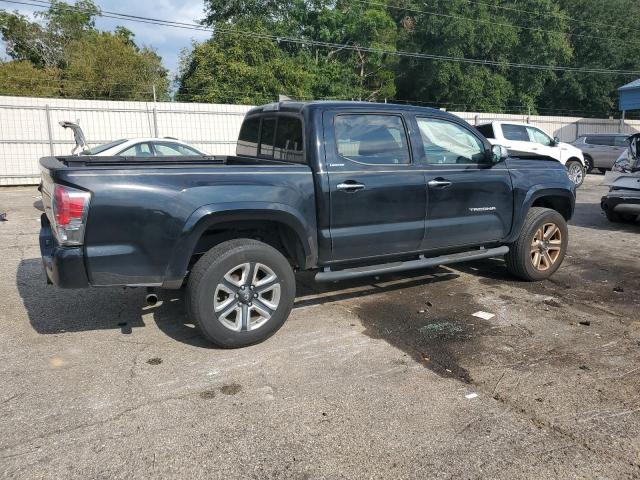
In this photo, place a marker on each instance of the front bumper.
(64, 266)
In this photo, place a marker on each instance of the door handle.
(350, 186)
(439, 183)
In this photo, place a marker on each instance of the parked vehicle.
(522, 139)
(134, 147)
(346, 189)
(144, 147)
(601, 150)
(622, 203)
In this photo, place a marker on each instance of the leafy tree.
(62, 54)
(459, 28)
(603, 35)
(104, 65)
(44, 44)
(238, 68)
(22, 78)
(270, 67)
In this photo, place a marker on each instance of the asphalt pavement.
(387, 377)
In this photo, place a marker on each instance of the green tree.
(604, 35)
(104, 65)
(238, 68)
(21, 77)
(44, 44)
(62, 54)
(303, 70)
(463, 29)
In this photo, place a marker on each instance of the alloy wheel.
(247, 296)
(546, 246)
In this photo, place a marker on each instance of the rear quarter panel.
(137, 217)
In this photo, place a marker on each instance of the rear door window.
(174, 150)
(138, 150)
(372, 139)
(621, 141)
(517, 133)
(288, 145)
(601, 140)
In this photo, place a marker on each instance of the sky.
(167, 41)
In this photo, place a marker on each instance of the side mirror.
(556, 141)
(498, 153)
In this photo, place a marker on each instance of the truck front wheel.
(240, 293)
(541, 247)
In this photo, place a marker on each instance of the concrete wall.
(29, 127)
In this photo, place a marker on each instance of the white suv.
(525, 139)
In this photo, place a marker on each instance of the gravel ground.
(367, 379)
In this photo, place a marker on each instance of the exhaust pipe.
(151, 298)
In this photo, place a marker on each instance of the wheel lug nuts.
(255, 295)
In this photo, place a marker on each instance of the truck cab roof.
(293, 106)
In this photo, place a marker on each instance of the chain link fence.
(29, 127)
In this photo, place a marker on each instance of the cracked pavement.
(367, 379)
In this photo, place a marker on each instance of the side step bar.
(349, 273)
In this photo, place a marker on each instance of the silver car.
(601, 150)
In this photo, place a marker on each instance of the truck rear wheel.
(240, 293)
(541, 247)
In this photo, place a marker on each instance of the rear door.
(377, 193)
(517, 139)
(601, 150)
(470, 199)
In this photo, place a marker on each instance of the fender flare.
(209, 215)
(534, 193)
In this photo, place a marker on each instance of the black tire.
(520, 259)
(575, 164)
(588, 164)
(207, 277)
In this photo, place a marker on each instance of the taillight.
(70, 208)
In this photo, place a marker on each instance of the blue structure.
(630, 96)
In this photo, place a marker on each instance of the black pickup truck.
(346, 189)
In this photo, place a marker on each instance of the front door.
(470, 199)
(377, 194)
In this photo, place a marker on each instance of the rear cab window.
(278, 137)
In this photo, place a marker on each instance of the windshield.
(102, 148)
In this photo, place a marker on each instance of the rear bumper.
(64, 266)
(622, 201)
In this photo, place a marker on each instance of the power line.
(309, 42)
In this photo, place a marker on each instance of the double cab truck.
(345, 189)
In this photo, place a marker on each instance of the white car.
(144, 147)
(130, 147)
(525, 139)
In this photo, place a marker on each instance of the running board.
(349, 273)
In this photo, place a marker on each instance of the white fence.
(29, 127)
